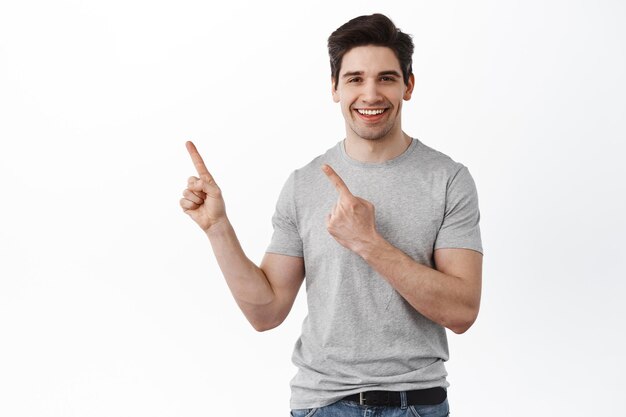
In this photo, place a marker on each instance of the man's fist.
(352, 221)
(202, 199)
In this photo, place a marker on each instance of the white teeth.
(370, 112)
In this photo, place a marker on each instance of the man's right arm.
(265, 294)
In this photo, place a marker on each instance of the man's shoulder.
(433, 161)
(433, 156)
(313, 168)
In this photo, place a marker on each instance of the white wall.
(111, 303)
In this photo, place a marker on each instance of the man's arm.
(448, 295)
(265, 294)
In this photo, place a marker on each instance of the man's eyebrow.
(391, 72)
(351, 73)
(388, 72)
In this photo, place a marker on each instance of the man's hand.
(352, 221)
(202, 200)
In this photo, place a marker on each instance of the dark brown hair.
(376, 29)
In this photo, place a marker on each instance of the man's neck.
(376, 151)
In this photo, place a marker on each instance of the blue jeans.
(352, 409)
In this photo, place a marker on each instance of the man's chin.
(371, 134)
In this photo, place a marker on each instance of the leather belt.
(429, 396)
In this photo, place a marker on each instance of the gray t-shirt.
(360, 334)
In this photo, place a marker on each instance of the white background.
(111, 303)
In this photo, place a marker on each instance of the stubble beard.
(376, 133)
(371, 134)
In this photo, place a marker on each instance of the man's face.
(370, 90)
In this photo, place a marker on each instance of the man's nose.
(370, 92)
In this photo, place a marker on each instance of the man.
(387, 230)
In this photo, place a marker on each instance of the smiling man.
(371, 100)
(386, 231)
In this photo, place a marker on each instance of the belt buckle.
(374, 400)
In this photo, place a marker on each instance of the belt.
(430, 396)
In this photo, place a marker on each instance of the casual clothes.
(360, 333)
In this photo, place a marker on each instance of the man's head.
(371, 76)
(377, 30)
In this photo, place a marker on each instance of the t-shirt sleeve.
(286, 239)
(460, 227)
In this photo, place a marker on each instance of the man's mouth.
(371, 114)
(368, 112)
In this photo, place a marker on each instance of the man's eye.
(354, 80)
(387, 79)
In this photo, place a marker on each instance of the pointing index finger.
(203, 172)
(336, 180)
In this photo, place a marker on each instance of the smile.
(372, 112)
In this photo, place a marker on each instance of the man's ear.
(409, 87)
(334, 91)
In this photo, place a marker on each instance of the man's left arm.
(448, 295)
